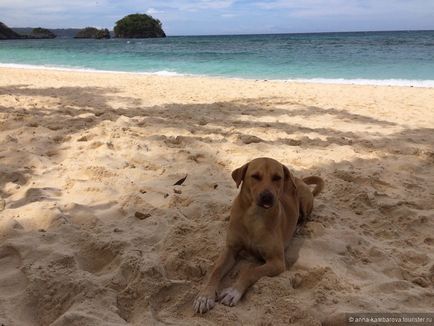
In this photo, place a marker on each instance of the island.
(41, 33)
(139, 26)
(7, 33)
(131, 26)
(59, 32)
(92, 32)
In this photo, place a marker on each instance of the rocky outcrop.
(139, 26)
(8, 34)
(92, 32)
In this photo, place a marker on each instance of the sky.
(205, 17)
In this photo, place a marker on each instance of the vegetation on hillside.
(131, 26)
(92, 32)
(42, 33)
(59, 32)
(139, 26)
(7, 34)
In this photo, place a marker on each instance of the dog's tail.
(317, 181)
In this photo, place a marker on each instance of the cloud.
(153, 11)
(201, 5)
(176, 5)
(229, 15)
(45, 5)
(356, 8)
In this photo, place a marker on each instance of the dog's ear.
(238, 174)
(289, 177)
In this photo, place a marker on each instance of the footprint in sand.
(13, 177)
(36, 194)
(97, 258)
(12, 280)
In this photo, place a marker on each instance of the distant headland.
(131, 26)
(7, 33)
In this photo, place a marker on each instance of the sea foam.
(167, 73)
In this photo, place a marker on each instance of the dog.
(263, 219)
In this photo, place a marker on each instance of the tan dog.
(263, 220)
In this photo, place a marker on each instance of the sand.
(81, 153)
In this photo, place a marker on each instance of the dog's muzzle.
(266, 199)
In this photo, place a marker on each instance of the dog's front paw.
(203, 303)
(230, 297)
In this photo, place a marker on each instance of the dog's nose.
(266, 199)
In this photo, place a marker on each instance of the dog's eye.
(277, 178)
(256, 177)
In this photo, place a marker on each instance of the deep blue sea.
(405, 58)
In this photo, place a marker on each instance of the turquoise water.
(364, 56)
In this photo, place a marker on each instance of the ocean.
(389, 58)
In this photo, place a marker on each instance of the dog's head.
(264, 179)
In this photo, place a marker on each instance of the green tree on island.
(40, 32)
(92, 32)
(139, 26)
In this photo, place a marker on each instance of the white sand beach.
(82, 153)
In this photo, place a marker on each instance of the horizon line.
(246, 34)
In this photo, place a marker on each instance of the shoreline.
(324, 81)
